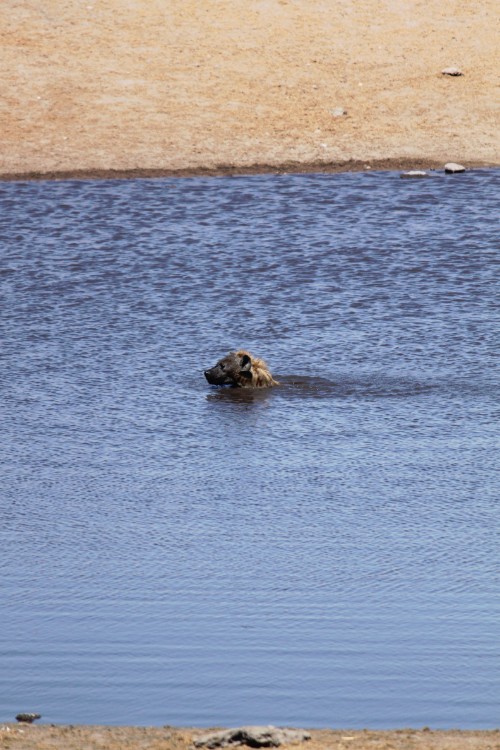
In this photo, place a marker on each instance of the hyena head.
(241, 370)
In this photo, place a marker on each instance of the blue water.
(325, 553)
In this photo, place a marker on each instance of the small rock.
(338, 112)
(252, 736)
(414, 173)
(452, 168)
(452, 72)
(28, 718)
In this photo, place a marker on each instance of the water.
(325, 553)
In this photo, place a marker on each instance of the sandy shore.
(46, 737)
(150, 87)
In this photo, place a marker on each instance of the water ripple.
(178, 553)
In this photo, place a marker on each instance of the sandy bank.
(149, 87)
(46, 737)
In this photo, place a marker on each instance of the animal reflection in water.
(240, 370)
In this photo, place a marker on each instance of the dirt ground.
(192, 86)
(47, 737)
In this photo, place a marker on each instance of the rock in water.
(452, 168)
(252, 736)
(28, 718)
(414, 173)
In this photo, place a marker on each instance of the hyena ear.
(245, 364)
(246, 367)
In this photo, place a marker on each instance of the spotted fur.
(240, 370)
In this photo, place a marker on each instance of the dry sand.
(45, 737)
(185, 86)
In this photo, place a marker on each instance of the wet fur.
(241, 370)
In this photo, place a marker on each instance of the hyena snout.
(241, 370)
(227, 370)
(216, 376)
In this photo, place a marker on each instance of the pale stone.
(414, 173)
(452, 168)
(338, 112)
(452, 72)
(252, 736)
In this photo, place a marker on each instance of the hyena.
(241, 370)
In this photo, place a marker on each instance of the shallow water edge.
(227, 170)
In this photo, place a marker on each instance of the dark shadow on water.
(343, 386)
(302, 386)
(239, 395)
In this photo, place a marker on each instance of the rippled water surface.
(325, 553)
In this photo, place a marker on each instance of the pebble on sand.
(28, 718)
(338, 112)
(452, 72)
(452, 168)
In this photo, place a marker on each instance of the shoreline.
(95, 737)
(235, 170)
